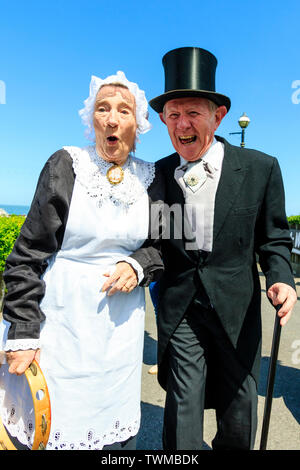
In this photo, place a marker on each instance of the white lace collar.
(90, 171)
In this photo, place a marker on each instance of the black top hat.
(189, 71)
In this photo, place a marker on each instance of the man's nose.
(183, 122)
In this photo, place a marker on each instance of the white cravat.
(199, 182)
(196, 174)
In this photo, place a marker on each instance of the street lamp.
(243, 123)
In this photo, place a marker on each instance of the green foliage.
(294, 220)
(9, 230)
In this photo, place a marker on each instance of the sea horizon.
(15, 209)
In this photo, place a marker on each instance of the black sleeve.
(149, 255)
(40, 237)
(273, 242)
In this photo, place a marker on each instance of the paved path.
(284, 430)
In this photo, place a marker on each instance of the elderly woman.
(73, 302)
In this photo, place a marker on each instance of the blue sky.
(50, 49)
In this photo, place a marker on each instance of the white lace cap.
(141, 104)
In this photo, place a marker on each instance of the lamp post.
(243, 123)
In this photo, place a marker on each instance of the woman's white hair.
(87, 113)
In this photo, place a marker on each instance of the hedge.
(294, 220)
(9, 230)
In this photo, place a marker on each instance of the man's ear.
(220, 113)
(161, 115)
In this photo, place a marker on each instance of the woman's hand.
(19, 361)
(124, 279)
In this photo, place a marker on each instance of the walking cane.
(271, 379)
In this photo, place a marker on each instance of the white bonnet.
(141, 104)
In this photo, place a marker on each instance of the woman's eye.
(101, 109)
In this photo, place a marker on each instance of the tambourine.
(42, 410)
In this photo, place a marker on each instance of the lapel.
(231, 179)
(174, 192)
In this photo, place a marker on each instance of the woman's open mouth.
(112, 139)
(187, 139)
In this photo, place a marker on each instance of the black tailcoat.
(249, 220)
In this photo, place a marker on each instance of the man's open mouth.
(187, 139)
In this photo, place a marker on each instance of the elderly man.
(209, 318)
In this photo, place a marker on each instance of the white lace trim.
(90, 170)
(21, 344)
(24, 432)
(92, 441)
